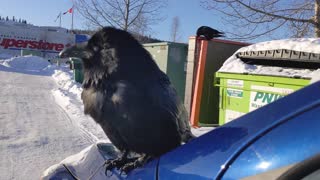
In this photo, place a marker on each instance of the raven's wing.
(141, 123)
(164, 94)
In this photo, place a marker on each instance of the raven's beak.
(78, 51)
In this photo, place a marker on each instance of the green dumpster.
(76, 66)
(242, 93)
(171, 59)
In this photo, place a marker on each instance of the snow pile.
(310, 45)
(63, 77)
(68, 96)
(27, 63)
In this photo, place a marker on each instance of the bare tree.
(128, 15)
(175, 29)
(276, 18)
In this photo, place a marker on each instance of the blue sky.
(44, 12)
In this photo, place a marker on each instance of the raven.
(208, 32)
(130, 97)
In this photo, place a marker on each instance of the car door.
(275, 152)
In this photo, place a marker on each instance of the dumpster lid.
(281, 58)
(298, 58)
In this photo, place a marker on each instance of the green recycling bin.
(245, 91)
(76, 66)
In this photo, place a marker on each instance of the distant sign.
(46, 41)
(27, 44)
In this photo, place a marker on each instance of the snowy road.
(35, 132)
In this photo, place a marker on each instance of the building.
(20, 38)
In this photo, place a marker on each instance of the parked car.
(278, 141)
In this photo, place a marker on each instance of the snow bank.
(310, 45)
(68, 97)
(27, 63)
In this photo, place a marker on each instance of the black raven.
(208, 32)
(130, 97)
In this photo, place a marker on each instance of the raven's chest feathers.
(111, 99)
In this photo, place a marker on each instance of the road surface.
(35, 132)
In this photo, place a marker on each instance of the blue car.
(278, 141)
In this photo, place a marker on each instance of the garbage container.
(171, 58)
(243, 93)
(76, 66)
(240, 93)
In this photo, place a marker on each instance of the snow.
(310, 45)
(27, 63)
(35, 131)
(87, 164)
(42, 118)
(68, 96)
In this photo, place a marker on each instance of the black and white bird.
(209, 33)
(130, 97)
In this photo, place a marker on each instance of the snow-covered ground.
(42, 120)
(35, 130)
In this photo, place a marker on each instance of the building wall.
(49, 41)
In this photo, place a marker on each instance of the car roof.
(210, 155)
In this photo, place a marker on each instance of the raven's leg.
(143, 159)
(118, 162)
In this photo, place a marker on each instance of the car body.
(280, 140)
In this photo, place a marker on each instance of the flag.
(58, 17)
(69, 11)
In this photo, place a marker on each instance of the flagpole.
(72, 14)
(60, 19)
(72, 18)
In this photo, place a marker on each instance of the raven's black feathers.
(208, 32)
